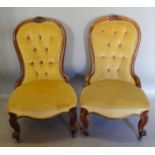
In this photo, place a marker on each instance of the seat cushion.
(114, 99)
(42, 99)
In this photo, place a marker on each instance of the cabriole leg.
(84, 121)
(142, 122)
(14, 124)
(73, 121)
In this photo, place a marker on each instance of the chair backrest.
(113, 43)
(40, 44)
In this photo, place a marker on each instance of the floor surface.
(55, 132)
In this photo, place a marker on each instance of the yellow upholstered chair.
(111, 88)
(43, 90)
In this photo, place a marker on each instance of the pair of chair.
(111, 88)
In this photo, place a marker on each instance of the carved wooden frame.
(13, 117)
(84, 112)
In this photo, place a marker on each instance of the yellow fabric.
(114, 99)
(42, 99)
(40, 45)
(114, 43)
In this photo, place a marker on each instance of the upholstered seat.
(114, 99)
(112, 89)
(43, 90)
(42, 99)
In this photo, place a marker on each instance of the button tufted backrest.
(40, 45)
(113, 44)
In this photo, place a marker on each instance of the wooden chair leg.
(142, 122)
(14, 124)
(73, 121)
(84, 121)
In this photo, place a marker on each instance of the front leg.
(84, 121)
(142, 122)
(14, 124)
(73, 121)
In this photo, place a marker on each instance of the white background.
(144, 58)
(76, 22)
(147, 59)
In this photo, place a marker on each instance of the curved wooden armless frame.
(84, 112)
(13, 118)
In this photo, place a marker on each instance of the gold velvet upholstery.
(114, 99)
(114, 43)
(111, 89)
(40, 45)
(42, 99)
(42, 90)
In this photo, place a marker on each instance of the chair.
(43, 90)
(112, 88)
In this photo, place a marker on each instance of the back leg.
(14, 124)
(142, 122)
(84, 121)
(73, 121)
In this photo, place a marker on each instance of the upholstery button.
(115, 32)
(114, 57)
(37, 74)
(118, 70)
(41, 62)
(46, 49)
(28, 37)
(34, 49)
(46, 73)
(50, 62)
(102, 31)
(40, 37)
(32, 63)
(108, 44)
(119, 45)
(123, 57)
(126, 32)
(108, 70)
